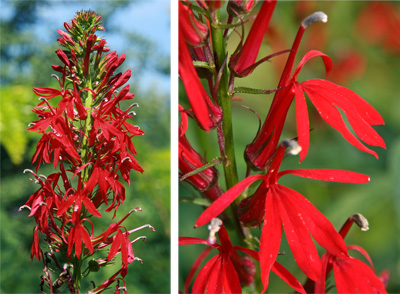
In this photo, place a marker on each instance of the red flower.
(193, 31)
(190, 160)
(224, 272)
(122, 244)
(78, 234)
(204, 112)
(351, 275)
(241, 62)
(326, 97)
(285, 206)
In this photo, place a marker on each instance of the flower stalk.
(90, 134)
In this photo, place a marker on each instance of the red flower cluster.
(89, 137)
(271, 206)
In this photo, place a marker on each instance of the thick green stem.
(224, 100)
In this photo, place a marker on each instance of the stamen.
(137, 258)
(361, 221)
(214, 227)
(126, 158)
(24, 206)
(318, 16)
(293, 146)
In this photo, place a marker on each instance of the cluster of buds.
(272, 207)
(89, 137)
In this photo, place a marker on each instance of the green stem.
(224, 100)
(87, 129)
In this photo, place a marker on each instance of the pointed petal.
(333, 117)
(285, 275)
(225, 200)
(117, 241)
(90, 206)
(319, 226)
(299, 239)
(192, 240)
(346, 99)
(311, 54)
(201, 282)
(270, 237)
(332, 175)
(195, 266)
(344, 285)
(216, 278)
(303, 126)
(231, 278)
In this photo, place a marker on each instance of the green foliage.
(15, 115)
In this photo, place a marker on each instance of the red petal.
(225, 200)
(215, 280)
(285, 275)
(319, 226)
(195, 266)
(298, 237)
(90, 206)
(192, 240)
(231, 278)
(311, 54)
(270, 238)
(117, 241)
(344, 284)
(332, 175)
(346, 98)
(334, 118)
(303, 126)
(201, 283)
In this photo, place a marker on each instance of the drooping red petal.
(201, 282)
(285, 275)
(304, 251)
(195, 266)
(334, 118)
(270, 238)
(332, 175)
(225, 200)
(118, 239)
(303, 124)
(215, 280)
(231, 278)
(311, 54)
(363, 252)
(346, 99)
(360, 114)
(318, 225)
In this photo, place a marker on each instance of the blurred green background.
(373, 72)
(28, 42)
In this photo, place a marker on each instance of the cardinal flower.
(224, 272)
(241, 61)
(284, 206)
(351, 274)
(204, 112)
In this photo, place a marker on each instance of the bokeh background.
(363, 40)
(141, 30)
